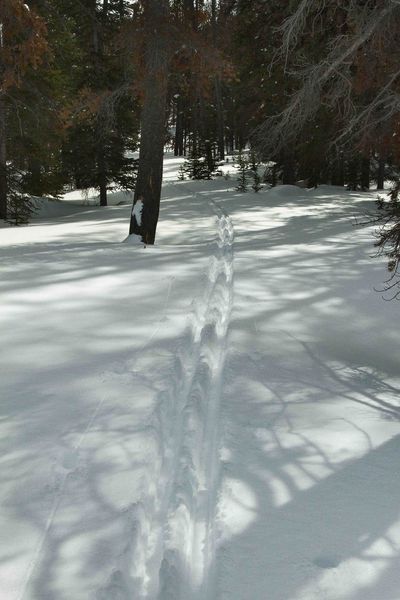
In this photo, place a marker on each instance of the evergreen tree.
(242, 181)
(254, 166)
(196, 165)
(150, 170)
(21, 29)
(103, 118)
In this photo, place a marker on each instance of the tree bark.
(220, 118)
(338, 175)
(151, 153)
(3, 149)
(101, 129)
(3, 160)
(102, 175)
(218, 89)
(381, 174)
(289, 170)
(353, 176)
(178, 142)
(365, 173)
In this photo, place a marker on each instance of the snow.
(91, 197)
(215, 417)
(137, 211)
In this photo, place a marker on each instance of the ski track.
(61, 487)
(58, 497)
(171, 550)
(188, 513)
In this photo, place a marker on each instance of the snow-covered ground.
(213, 418)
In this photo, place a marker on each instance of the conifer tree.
(23, 28)
(153, 120)
(254, 166)
(242, 181)
(102, 119)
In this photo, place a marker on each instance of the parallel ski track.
(172, 556)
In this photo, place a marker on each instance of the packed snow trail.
(189, 554)
(175, 547)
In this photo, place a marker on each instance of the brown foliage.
(24, 44)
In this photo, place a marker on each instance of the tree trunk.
(3, 150)
(3, 160)
(353, 174)
(381, 174)
(101, 128)
(274, 175)
(220, 118)
(102, 175)
(338, 177)
(289, 171)
(178, 142)
(151, 154)
(365, 173)
(218, 91)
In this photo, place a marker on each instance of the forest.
(311, 87)
(199, 268)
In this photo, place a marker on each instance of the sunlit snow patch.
(137, 211)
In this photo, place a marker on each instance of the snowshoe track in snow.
(173, 549)
(187, 564)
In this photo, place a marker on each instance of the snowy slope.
(213, 418)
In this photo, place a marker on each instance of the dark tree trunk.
(338, 171)
(353, 174)
(3, 160)
(274, 180)
(315, 177)
(289, 171)
(218, 90)
(381, 174)
(205, 137)
(220, 118)
(36, 185)
(102, 177)
(231, 140)
(209, 156)
(101, 129)
(365, 173)
(149, 178)
(179, 129)
(3, 149)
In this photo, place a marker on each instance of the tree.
(153, 119)
(199, 76)
(243, 171)
(23, 45)
(332, 49)
(102, 115)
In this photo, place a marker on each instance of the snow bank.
(90, 197)
(51, 208)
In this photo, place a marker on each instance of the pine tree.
(243, 170)
(103, 119)
(149, 179)
(182, 172)
(254, 166)
(21, 28)
(20, 206)
(196, 165)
